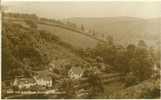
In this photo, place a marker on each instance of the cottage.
(75, 72)
(156, 71)
(43, 79)
(22, 83)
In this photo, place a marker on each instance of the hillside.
(147, 89)
(26, 49)
(74, 38)
(69, 34)
(123, 29)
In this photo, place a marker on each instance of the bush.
(31, 23)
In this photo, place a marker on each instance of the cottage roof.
(45, 74)
(25, 80)
(76, 70)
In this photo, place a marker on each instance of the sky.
(86, 9)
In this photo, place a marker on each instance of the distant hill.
(124, 29)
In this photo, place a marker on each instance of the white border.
(1, 3)
(0, 50)
(82, 0)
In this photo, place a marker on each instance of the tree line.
(134, 61)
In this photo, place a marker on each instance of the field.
(74, 38)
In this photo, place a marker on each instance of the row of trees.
(20, 15)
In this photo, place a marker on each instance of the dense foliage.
(147, 89)
(135, 60)
(23, 49)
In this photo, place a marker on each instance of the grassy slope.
(74, 38)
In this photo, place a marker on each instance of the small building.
(75, 72)
(58, 64)
(43, 79)
(22, 83)
(156, 71)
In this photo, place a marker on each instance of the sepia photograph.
(80, 49)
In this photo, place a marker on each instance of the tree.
(130, 79)
(142, 44)
(95, 86)
(82, 27)
(120, 62)
(130, 51)
(31, 23)
(69, 89)
(103, 35)
(110, 40)
(142, 63)
(129, 55)
(135, 67)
